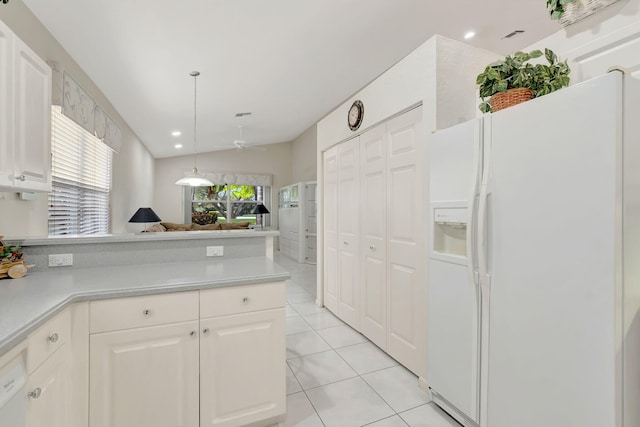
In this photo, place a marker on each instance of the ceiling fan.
(241, 143)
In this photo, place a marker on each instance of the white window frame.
(82, 166)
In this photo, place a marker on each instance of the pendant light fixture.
(194, 178)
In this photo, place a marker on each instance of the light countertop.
(141, 237)
(28, 302)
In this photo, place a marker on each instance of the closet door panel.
(373, 236)
(406, 241)
(349, 232)
(330, 197)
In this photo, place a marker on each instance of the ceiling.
(289, 62)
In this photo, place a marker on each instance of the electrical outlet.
(215, 250)
(60, 260)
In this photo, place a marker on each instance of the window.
(81, 175)
(226, 203)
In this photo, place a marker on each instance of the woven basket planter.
(580, 9)
(509, 98)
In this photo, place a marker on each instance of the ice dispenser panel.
(450, 231)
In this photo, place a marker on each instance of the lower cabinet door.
(242, 368)
(48, 402)
(146, 377)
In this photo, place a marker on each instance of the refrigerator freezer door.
(552, 221)
(453, 304)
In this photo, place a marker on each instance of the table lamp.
(145, 215)
(260, 209)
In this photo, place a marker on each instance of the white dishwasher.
(13, 397)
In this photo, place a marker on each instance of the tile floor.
(336, 377)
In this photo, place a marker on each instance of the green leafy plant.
(10, 253)
(556, 7)
(516, 71)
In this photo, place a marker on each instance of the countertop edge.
(23, 332)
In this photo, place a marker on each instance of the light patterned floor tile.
(304, 344)
(398, 387)
(295, 325)
(394, 421)
(348, 403)
(319, 369)
(293, 386)
(366, 357)
(300, 413)
(341, 336)
(308, 308)
(322, 320)
(428, 415)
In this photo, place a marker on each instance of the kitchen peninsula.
(166, 341)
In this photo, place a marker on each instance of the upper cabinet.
(25, 116)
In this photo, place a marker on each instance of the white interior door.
(407, 256)
(349, 232)
(373, 235)
(553, 190)
(330, 228)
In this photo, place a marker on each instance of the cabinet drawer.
(47, 339)
(136, 312)
(241, 299)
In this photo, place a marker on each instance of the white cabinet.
(145, 377)
(208, 358)
(25, 116)
(49, 385)
(6, 106)
(375, 235)
(310, 222)
(296, 220)
(242, 368)
(48, 401)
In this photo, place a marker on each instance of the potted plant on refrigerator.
(570, 11)
(514, 79)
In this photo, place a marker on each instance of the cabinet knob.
(372, 247)
(346, 243)
(205, 331)
(35, 393)
(146, 312)
(245, 300)
(192, 333)
(53, 338)
(21, 178)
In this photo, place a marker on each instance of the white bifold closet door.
(407, 256)
(330, 250)
(349, 232)
(373, 223)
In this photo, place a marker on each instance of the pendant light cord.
(195, 75)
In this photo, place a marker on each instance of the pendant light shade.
(194, 178)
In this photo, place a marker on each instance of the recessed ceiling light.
(469, 35)
(178, 146)
(176, 133)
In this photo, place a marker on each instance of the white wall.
(303, 156)
(133, 168)
(609, 37)
(440, 75)
(276, 161)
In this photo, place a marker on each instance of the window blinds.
(81, 175)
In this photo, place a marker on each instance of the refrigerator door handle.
(472, 219)
(483, 220)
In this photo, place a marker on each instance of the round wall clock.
(356, 114)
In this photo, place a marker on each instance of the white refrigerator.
(534, 267)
